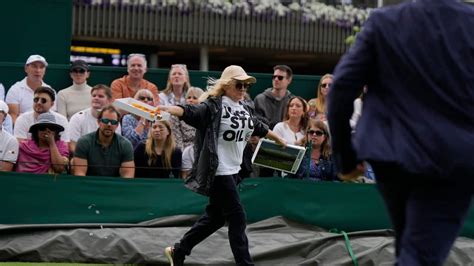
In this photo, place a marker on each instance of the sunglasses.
(143, 98)
(179, 65)
(78, 70)
(242, 86)
(106, 121)
(39, 99)
(317, 132)
(325, 85)
(280, 78)
(192, 97)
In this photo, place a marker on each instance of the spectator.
(187, 161)
(317, 164)
(323, 90)
(128, 85)
(85, 121)
(312, 112)
(103, 152)
(158, 156)
(8, 143)
(247, 169)
(2, 92)
(184, 133)
(7, 124)
(20, 96)
(357, 109)
(135, 128)
(45, 152)
(176, 87)
(271, 103)
(292, 129)
(44, 98)
(76, 97)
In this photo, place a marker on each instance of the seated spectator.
(184, 133)
(187, 161)
(43, 100)
(295, 121)
(312, 112)
(20, 96)
(247, 169)
(322, 93)
(2, 92)
(135, 128)
(8, 143)
(103, 152)
(7, 124)
(357, 109)
(128, 85)
(85, 121)
(176, 87)
(45, 152)
(76, 97)
(158, 156)
(317, 163)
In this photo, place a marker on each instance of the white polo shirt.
(83, 123)
(20, 93)
(25, 120)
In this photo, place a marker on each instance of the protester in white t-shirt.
(85, 121)
(20, 96)
(224, 124)
(8, 143)
(43, 100)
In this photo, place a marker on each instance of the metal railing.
(200, 26)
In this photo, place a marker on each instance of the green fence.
(57, 76)
(47, 199)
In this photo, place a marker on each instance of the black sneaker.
(173, 260)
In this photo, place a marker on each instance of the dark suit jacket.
(417, 59)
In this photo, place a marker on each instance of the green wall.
(35, 27)
(57, 75)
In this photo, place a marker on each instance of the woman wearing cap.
(45, 152)
(224, 123)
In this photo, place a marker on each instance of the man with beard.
(85, 121)
(43, 101)
(103, 152)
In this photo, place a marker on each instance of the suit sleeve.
(351, 74)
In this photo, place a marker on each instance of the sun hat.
(36, 58)
(46, 119)
(234, 72)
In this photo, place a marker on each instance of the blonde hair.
(325, 149)
(196, 91)
(147, 91)
(321, 99)
(217, 88)
(186, 85)
(170, 145)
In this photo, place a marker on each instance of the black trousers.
(427, 212)
(224, 205)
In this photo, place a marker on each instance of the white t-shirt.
(26, 120)
(235, 130)
(8, 147)
(83, 123)
(284, 131)
(20, 93)
(187, 158)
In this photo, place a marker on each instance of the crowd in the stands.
(78, 130)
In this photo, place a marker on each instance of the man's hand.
(354, 174)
